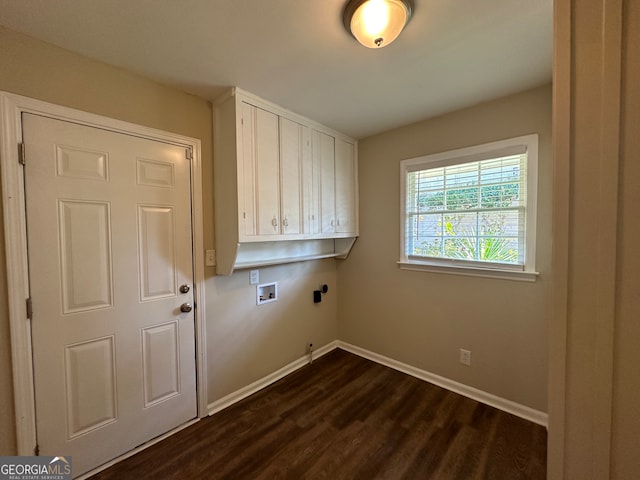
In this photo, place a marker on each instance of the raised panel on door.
(90, 380)
(85, 255)
(156, 252)
(345, 183)
(324, 158)
(267, 172)
(294, 145)
(161, 363)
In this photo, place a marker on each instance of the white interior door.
(110, 246)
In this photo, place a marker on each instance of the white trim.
(17, 274)
(469, 271)
(481, 396)
(530, 142)
(197, 222)
(11, 108)
(264, 382)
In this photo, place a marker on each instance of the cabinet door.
(294, 145)
(324, 158)
(310, 191)
(267, 172)
(345, 184)
(246, 174)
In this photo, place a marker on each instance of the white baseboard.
(481, 396)
(258, 385)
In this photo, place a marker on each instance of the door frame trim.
(14, 217)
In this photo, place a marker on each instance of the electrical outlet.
(254, 277)
(310, 351)
(465, 357)
(210, 258)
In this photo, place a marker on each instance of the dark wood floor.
(344, 417)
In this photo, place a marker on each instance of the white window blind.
(470, 207)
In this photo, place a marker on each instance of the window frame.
(525, 272)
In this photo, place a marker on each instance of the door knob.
(186, 307)
(184, 288)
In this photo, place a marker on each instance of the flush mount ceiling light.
(376, 23)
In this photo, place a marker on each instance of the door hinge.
(189, 154)
(21, 159)
(29, 308)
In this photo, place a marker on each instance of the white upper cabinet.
(324, 159)
(346, 195)
(335, 166)
(246, 169)
(274, 149)
(267, 172)
(294, 153)
(279, 177)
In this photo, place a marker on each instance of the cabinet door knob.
(274, 222)
(285, 222)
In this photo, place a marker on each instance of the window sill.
(505, 274)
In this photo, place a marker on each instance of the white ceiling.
(296, 53)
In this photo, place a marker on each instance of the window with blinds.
(471, 207)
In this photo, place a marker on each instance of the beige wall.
(245, 342)
(423, 319)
